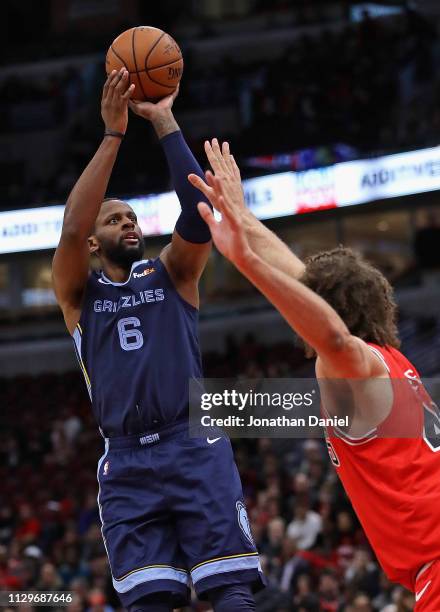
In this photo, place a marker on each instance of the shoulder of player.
(359, 359)
(396, 362)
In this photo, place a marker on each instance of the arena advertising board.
(391, 176)
(269, 197)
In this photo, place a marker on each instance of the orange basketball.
(153, 59)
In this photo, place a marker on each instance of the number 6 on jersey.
(130, 338)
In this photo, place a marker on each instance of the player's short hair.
(359, 293)
(108, 199)
(111, 198)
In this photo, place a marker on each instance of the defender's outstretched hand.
(229, 235)
(150, 110)
(262, 241)
(226, 170)
(114, 103)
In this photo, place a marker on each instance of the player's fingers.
(175, 92)
(115, 80)
(212, 192)
(223, 198)
(235, 168)
(216, 147)
(200, 184)
(129, 92)
(215, 182)
(206, 214)
(226, 154)
(212, 158)
(117, 77)
(227, 212)
(218, 153)
(122, 86)
(107, 83)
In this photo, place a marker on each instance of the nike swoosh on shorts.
(420, 594)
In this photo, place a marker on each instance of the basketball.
(153, 59)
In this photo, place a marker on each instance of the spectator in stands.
(305, 527)
(97, 602)
(293, 566)
(49, 579)
(329, 593)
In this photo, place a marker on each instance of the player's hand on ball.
(151, 110)
(225, 168)
(114, 103)
(229, 234)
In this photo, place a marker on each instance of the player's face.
(117, 236)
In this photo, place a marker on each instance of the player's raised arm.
(70, 266)
(186, 256)
(311, 317)
(264, 242)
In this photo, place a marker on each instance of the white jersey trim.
(357, 438)
(359, 442)
(353, 440)
(106, 281)
(381, 357)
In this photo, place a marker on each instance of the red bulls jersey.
(394, 482)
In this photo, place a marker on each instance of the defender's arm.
(261, 239)
(307, 313)
(70, 266)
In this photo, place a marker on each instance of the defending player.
(171, 507)
(344, 311)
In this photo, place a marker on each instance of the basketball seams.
(151, 51)
(179, 59)
(148, 78)
(119, 57)
(135, 61)
(172, 87)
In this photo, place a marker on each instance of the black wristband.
(113, 133)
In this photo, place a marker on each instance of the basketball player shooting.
(171, 507)
(344, 311)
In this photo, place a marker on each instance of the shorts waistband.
(148, 438)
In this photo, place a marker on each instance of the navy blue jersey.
(137, 346)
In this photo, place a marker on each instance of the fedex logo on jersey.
(146, 272)
(129, 301)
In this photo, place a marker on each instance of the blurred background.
(333, 111)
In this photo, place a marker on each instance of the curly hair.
(359, 293)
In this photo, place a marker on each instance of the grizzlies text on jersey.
(137, 346)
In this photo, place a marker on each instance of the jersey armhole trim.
(380, 356)
(340, 435)
(372, 434)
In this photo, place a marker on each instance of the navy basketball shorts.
(172, 513)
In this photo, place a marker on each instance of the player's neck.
(115, 272)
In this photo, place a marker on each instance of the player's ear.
(93, 245)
